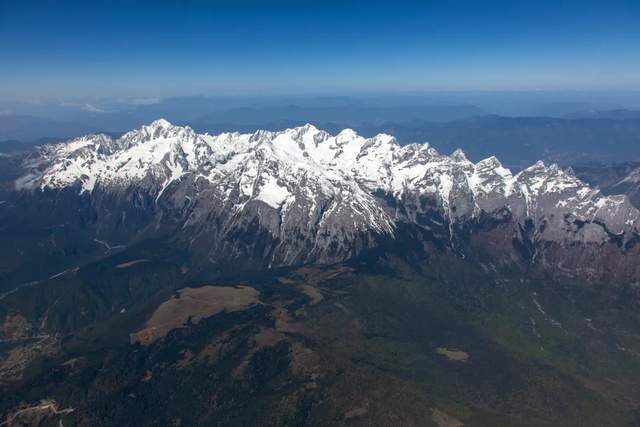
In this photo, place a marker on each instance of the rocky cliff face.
(304, 196)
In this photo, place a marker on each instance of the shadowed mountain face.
(465, 292)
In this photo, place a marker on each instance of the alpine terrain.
(302, 278)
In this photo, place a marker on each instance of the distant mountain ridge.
(520, 141)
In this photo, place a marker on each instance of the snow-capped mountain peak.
(332, 181)
(160, 123)
(459, 156)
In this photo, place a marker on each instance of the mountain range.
(304, 196)
(299, 277)
(517, 141)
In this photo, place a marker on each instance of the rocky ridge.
(303, 195)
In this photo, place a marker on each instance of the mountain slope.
(455, 291)
(303, 195)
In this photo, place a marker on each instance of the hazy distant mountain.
(29, 128)
(519, 141)
(212, 114)
(622, 114)
(352, 115)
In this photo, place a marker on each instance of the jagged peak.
(299, 130)
(91, 142)
(308, 127)
(491, 161)
(537, 165)
(160, 128)
(92, 137)
(261, 136)
(416, 150)
(386, 138)
(159, 154)
(554, 168)
(160, 123)
(347, 133)
(537, 168)
(459, 156)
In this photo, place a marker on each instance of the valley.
(444, 338)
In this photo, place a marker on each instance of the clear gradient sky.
(57, 49)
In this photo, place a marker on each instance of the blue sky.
(66, 49)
